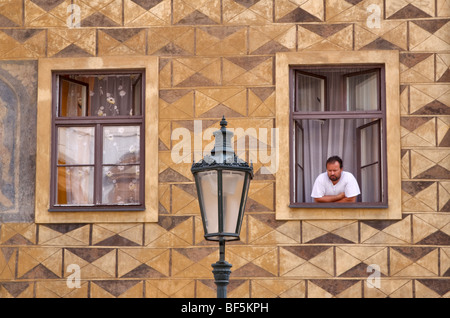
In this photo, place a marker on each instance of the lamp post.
(222, 181)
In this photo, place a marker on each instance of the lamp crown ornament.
(222, 153)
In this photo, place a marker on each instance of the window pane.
(370, 184)
(310, 93)
(362, 92)
(120, 185)
(75, 186)
(329, 137)
(121, 144)
(75, 145)
(73, 98)
(100, 95)
(370, 144)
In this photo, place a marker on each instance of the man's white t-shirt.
(347, 183)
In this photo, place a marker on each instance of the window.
(338, 110)
(97, 128)
(345, 104)
(97, 134)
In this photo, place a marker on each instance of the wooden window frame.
(45, 211)
(295, 116)
(98, 122)
(284, 95)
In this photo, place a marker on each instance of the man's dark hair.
(333, 159)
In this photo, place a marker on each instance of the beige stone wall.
(217, 57)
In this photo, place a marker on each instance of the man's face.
(334, 171)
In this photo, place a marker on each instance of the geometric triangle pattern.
(386, 232)
(414, 261)
(186, 12)
(252, 261)
(11, 14)
(326, 288)
(417, 67)
(418, 131)
(265, 230)
(44, 13)
(429, 35)
(22, 42)
(64, 234)
(337, 232)
(100, 14)
(307, 261)
(121, 42)
(147, 13)
(391, 35)
(117, 234)
(419, 196)
(170, 231)
(430, 99)
(409, 9)
(39, 263)
(269, 39)
(289, 11)
(94, 263)
(174, 41)
(349, 10)
(18, 234)
(430, 164)
(230, 40)
(318, 37)
(71, 42)
(443, 67)
(143, 263)
(247, 12)
(431, 229)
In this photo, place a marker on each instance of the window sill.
(97, 209)
(357, 205)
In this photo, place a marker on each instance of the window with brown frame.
(97, 153)
(338, 110)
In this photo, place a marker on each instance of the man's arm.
(335, 198)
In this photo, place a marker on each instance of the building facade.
(202, 60)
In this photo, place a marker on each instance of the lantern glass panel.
(232, 185)
(208, 185)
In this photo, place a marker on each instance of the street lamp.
(222, 181)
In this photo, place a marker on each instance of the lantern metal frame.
(222, 158)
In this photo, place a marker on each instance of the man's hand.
(335, 198)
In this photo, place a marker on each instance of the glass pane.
(370, 184)
(113, 95)
(73, 98)
(370, 144)
(310, 93)
(75, 186)
(232, 183)
(362, 92)
(100, 94)
(75, 145)
(121, 144)
(120, 185)
(208, 184)
(299, 185)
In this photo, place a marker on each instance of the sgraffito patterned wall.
(217, 57)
